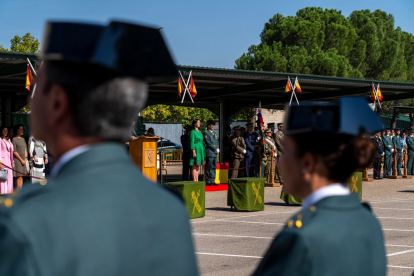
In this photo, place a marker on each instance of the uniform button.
(43, 181)
(298, 224)
(290, 223)
(8, 202)
(312, 208)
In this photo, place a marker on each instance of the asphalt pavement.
(233, 243)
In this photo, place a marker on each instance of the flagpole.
(376, 95)
(296, 97)
(186, 86)
(34, 89)
(291, 96)
(31, 66)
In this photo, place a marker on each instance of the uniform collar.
(336, 189)
(66, 157)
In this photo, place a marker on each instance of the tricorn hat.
(210, 122)
(268, 130)
(349, 116)
(127, 49)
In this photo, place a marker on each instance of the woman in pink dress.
(6, 158)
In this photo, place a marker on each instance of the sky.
(207, 33)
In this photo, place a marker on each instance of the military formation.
(392, 147)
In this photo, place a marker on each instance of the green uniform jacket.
(337, 236)
(212, 144)
(410, 144)
(388, 144)
(237, 147)
(278, 142)
(98, 216)
(396, 141)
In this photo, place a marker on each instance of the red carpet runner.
(221, 187)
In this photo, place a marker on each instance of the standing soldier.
(187, 153)
(249, 139)
(212, 149)
(278, 141)
(238, 150)
(388, 142)
(398, 143)
(410, 151)
(271, 126)
(270, 151)
(227, 146)
(379, 153)
(257, 160)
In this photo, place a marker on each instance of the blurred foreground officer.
(333, 234)
(379, 153)
(212, 149)
(97, 215)
(187, 153)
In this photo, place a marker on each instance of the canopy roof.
(13, 76)
(242, 88)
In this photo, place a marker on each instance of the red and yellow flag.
(180, 87)
(288, 88)
(297, 88)
(379, 94)
(193, 90)
(29, 78)
(373, 95)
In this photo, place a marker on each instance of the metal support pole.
(222, 129)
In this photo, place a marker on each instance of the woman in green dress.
(197, 148)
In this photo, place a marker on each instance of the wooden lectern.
(394, 169)
(143, 151)
(405, 160)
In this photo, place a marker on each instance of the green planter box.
(246, 194)
(194, 195)
(355, 184)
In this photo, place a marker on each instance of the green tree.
(324, 42)
(177, 114)
(23, 44)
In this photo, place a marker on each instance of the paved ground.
(232, 243)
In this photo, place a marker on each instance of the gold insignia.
(8, 202)
(43, 181)
(312, 208)
(299, 216)
(289, 223)
(298, 224)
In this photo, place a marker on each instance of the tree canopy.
(324, 42)
(23, 44)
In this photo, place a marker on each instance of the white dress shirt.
(66, 157)
(336, 189)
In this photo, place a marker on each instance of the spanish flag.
(373, 95)
(297, 88)
(193, 90)
(29, 78)
(379, 94)
(288, 88)
(180, 87)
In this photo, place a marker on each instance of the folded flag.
(288, 88)
(180, 87)
(29, 78)
(193, 90)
